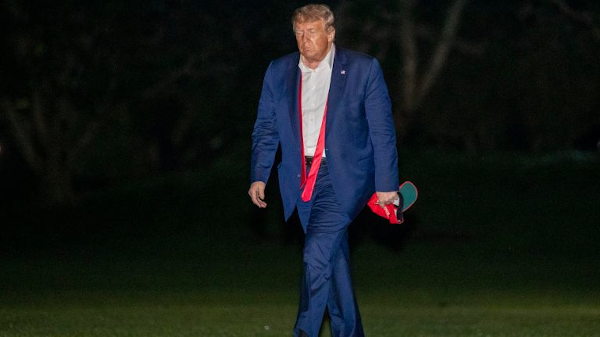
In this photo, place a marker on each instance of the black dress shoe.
(302, 334)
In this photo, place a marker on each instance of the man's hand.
(386, 198)
(257, 193)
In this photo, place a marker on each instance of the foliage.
(100, 93)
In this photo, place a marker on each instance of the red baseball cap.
(389, 211)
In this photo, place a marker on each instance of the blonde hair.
(314, 12)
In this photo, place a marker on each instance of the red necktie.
(309, 182)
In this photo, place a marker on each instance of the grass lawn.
(422, 291)
(177, 314)
(511, 250)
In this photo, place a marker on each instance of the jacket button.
(298, 176)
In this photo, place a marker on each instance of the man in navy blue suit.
(329, 110)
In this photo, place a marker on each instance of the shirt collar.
(327, 62)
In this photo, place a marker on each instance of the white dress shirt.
(315, 90)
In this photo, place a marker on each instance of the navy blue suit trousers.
(326, 281)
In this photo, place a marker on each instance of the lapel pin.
(343, 72)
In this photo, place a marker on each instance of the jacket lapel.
(336, 89)
(291, 90)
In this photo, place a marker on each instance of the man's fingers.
(257, 194)
(386, 198)
(257, 200)
(260, 197)
(387, 201)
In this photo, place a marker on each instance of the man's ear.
(331, 35)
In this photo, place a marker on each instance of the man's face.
(313, 40)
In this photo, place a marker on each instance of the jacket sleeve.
(378, 109)
(265, 136)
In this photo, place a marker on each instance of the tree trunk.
(410, 59)
(41, 141)
(415, 88)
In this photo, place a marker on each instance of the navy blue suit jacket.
(360, 139)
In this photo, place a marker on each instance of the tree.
(415, 88)
(395, 26)
(75, 68)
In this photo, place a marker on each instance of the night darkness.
(125, 134)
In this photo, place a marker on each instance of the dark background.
(123, 121)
